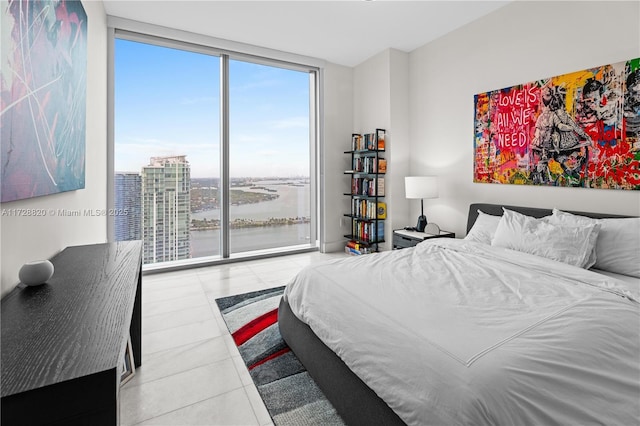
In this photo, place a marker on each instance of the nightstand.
(403, 238)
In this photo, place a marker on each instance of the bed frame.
(496, 210)
(356, 403)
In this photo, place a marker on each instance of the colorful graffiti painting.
(43, 98)
(580, 130)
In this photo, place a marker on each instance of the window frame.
(119, 28)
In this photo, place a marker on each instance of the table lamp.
(421, 187)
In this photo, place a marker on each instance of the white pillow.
(561, 218)
(484, 228)
(618, 243)
(536, 236)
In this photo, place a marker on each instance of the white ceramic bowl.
(36, 273)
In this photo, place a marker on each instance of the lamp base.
(422, 223)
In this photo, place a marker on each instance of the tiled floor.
(192, 373)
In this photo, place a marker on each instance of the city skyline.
(167, 100)
(166, 209)
(179, 210)
(128, 202)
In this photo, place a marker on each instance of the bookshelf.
(367, 191)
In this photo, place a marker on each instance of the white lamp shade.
(421, 187)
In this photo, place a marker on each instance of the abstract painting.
(575, 130)
(43, 98)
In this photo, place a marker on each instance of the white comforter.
(455, 332)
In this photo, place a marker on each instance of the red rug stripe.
(255, 326)
(270, 357)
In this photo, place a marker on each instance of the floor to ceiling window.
(269, 156)
(213, 156)
(166, 149)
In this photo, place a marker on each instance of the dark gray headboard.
(496, 210)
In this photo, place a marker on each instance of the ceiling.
(344, 32)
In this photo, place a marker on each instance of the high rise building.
(128, 206)
(166, 209)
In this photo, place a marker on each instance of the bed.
(465, 332)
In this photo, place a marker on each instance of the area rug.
(289, 393)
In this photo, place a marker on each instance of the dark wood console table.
(63, 342)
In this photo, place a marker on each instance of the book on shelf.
(368, 141)
(380, 187)
(351, 251)
(369, 165)
(353, 244)
(380, 231)
(367, 186)
(372, 232)
(368, 209)
(359, 142)
(381, 139)
(356, 251)
(368, 212)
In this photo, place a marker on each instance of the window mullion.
(224, 189)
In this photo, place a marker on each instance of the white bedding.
(631, 283)
(458, 332)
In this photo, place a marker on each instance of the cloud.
(133, 153)
(153, 145)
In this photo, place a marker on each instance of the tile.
(218, 317)
(174, 292)
(219, 272)
(164, 306)
(162, 396)
(178, 336)
(282, 277)
(231, 345)
(228, 285)
(148, 288)
(258, 405)
(192, 372)
(253, 286)
(178, 277)
(316, 257)
(153, 323)
(274, 266)
(183, 358)
(242, 370)
(231, 408)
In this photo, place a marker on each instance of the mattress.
(456, 332)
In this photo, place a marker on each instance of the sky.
(167, 103)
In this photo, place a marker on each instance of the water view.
(280, 218)
(167, 145)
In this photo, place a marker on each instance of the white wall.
(398, 150)
(31, 238)
(337, 129)
(371, 106)
(381, 100)
(521, 42)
